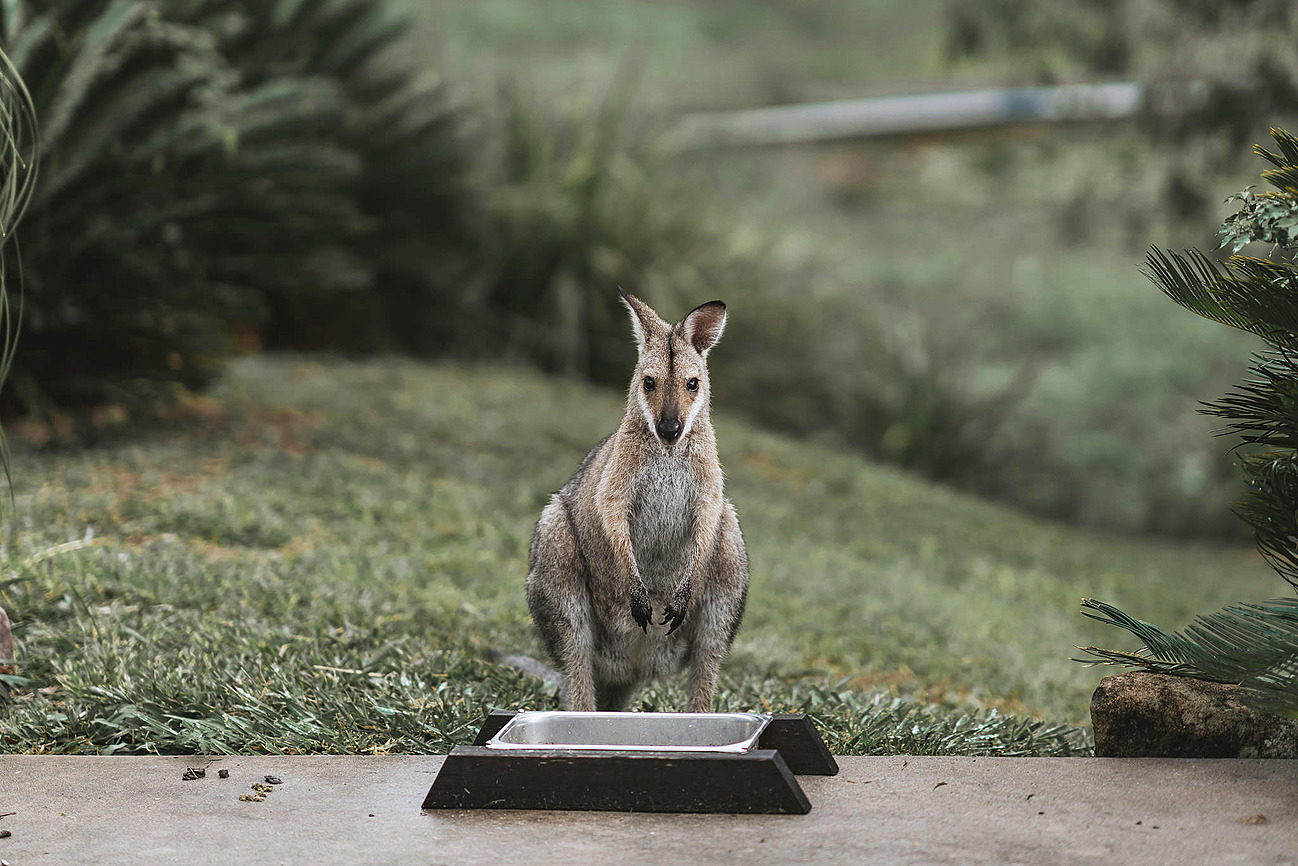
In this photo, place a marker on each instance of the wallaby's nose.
(669, 428)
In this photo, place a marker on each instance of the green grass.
(319, 558)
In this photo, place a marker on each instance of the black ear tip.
(711, 306)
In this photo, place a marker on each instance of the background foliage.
(303, 180)
(212, 174)
(1253, 645)
(1237, 55)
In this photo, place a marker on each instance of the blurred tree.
(218, 171)
(1239, 54)
(415, 169)
(173, 202)
(1254, 645)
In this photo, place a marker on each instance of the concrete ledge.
(884, 810)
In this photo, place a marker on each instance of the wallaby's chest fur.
(663, 502)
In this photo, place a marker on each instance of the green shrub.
(413, 185)
(214, 173)
(1253, 645)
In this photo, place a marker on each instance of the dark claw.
(670, 615)
(675, 612)
(641, 611)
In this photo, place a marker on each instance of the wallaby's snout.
(669, 428)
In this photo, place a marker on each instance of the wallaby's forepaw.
(641, 611)
(674, 614)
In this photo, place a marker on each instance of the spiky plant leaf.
(1251, 645)
(180, 203)
(1250, 294)
(19, 155)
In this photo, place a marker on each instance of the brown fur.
(644, 527)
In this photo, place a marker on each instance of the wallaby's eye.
(692, 384)
(649, 383)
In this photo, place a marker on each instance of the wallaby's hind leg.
(720, 608)
(559, 600)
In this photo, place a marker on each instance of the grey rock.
(1148, 715)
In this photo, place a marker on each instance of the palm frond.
(1191, 280)
(1271, 508)
(1251, 645)
(1287, 144)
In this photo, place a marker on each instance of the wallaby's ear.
(644, 321)
(703, 326)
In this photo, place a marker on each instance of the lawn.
(319, 556)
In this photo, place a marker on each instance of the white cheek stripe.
(694, 413)
(648, 413)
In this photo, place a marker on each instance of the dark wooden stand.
(760, 781)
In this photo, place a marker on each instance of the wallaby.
(643, 526)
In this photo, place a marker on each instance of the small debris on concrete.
(5, 834)
(1253, 819)
(192, 773)
(938, 785)
(259, 792)
(223, 774)
(273, 780)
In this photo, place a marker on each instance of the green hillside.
(318, 557)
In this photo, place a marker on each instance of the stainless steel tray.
(637, 732)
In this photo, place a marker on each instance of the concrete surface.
(884, 810)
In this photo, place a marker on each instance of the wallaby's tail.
(551, 678)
